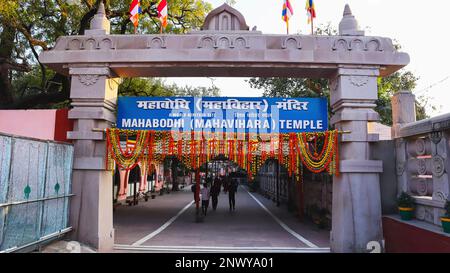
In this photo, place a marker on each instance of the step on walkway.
(167, 224)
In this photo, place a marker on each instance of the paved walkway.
(167, 223)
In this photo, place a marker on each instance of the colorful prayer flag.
(310, 10)
(135, 9)
(162, 12)
(287, 11)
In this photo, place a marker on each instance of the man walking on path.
(232, 189)
(205, 198)
(215, 191)
(194, 190)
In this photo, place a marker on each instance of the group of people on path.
(229, 186)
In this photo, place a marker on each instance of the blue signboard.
(213, 114)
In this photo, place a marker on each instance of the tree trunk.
(6, 51)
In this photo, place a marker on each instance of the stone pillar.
(356, 212)
(94, 97)
(403, 112)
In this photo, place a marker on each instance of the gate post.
(93, 94)
(356, 215)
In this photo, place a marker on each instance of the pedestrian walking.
(194, 190)
(232, 189)
(226, 183)
(205, 198)
(215, 191)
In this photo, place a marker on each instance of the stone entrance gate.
(225, 47)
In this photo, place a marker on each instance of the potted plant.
(406, 206)
(446, 219)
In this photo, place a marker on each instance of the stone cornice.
(231, 54)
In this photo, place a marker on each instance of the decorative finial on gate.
(101, 8)
(347, 10)
(349, 25)
(225, 18)
(100, 25)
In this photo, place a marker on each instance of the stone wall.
(422, 158)
(384, 151)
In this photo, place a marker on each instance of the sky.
(419, 26)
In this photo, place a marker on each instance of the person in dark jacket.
(215, 191)
(194, 190)
(232, 189)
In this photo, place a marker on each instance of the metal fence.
(35, 186)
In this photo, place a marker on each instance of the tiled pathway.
(167, 224)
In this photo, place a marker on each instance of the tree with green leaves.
(31, 26)
(151, 87)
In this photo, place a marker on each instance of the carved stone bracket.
(88, 80)
(441, 125)
(422, 187)
(291, 43)
(223, 41)
(438, 166)
(334, 84)
(439, 196)
(421, 166)
(400, 168)
(358, 81)
(90, 43)
(436, 137)
(357, 44)
(420, 146)
(157, 43)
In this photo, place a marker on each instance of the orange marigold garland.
(129, 158)
(293, 150)
(326, 160)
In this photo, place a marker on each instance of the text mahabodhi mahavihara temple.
(251, 115)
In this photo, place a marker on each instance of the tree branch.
(26, 32)
(42, 98)
(43, 69)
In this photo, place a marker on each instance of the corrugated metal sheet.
(31, 173)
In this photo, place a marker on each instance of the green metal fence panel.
(59, 164)
(5, 162)
(35, 180)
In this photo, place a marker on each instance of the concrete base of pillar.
(91, 210)
(356, 220)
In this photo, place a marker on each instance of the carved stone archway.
(351, 61)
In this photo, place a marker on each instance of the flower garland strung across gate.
(318, 152)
